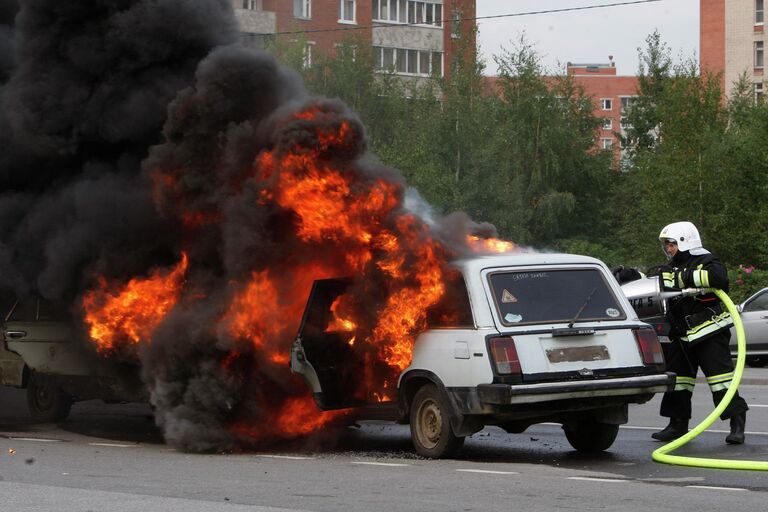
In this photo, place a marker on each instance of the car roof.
(512, 259)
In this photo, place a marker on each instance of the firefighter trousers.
(713, 356)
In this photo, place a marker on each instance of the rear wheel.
(431, 430)
(590, 436)
(46, 401)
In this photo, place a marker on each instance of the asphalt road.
(111, 457)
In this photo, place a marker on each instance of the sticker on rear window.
(507, 297)
(512, 319)
(612, 312)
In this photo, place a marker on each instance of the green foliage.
(745, 281)
(694, 158)
(524, 157)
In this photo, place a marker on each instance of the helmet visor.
(669, 246)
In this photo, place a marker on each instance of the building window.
(437, 64)
(424, 62)
(626, 102)
(624, 123)
(251, 5)
(349, 53)
(413, 12)
(307, 57)
(347, 11)
(759, 92)
(606, 144)
(607, 123)
(759, 11)
(456, 24)
(759, 54)
(607, 103)
(302, 9)
(407, 61)
(400, 60)
(388, 59)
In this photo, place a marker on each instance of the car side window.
(25, 310)
(758, 304)
(52, 311)
(7, 300)
(453, 310)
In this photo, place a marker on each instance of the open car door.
(324, 356)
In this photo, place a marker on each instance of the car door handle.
(15, 334)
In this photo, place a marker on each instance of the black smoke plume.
(132, 131)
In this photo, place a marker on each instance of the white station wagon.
(528, 338)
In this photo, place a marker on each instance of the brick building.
(410, 37)
(732, 41)
(611, 94)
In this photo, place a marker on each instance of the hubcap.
(430, 424)
(42, 397)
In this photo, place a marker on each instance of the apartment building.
(612, 94)
(732, 41)
(414, 38)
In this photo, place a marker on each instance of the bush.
(746, 280)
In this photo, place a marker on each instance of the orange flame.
(338, 323)
(251, 311)
(489, 244)
(295, 417)
(132, 313)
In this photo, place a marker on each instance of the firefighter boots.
(738, 423)
(677, 427)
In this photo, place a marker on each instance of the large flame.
(129, 314)
(339, 222)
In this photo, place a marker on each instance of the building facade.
(612, 94)
(732, 41)
(414, 38)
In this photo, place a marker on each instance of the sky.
(591, 35)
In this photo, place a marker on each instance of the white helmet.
(686, 235)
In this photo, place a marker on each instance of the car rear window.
(553, 296)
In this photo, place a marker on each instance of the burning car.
(41, 354)
(515, 340)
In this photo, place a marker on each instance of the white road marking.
(710, 430)
(715, 488)
(289, 457)
(756, 405)
(488, 471)
(595, 479)
(392, 464)
(114, 445)
(35, 439)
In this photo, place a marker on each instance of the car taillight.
(649, 346)
(505, 356)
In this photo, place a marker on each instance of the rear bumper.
(502, 394)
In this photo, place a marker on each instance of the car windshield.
(553, 296)
(758, 303)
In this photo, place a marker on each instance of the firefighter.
(700, 332)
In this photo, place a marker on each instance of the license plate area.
(574, 354)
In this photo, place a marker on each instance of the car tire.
(46, 401)
(591, 436)
(431, 431)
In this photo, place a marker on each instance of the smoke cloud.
(137, 131)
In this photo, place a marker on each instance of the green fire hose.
(662, 454)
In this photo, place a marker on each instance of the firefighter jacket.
(701, 316)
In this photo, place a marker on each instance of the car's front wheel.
(431, 430)
(590, 436)
(46, 401)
